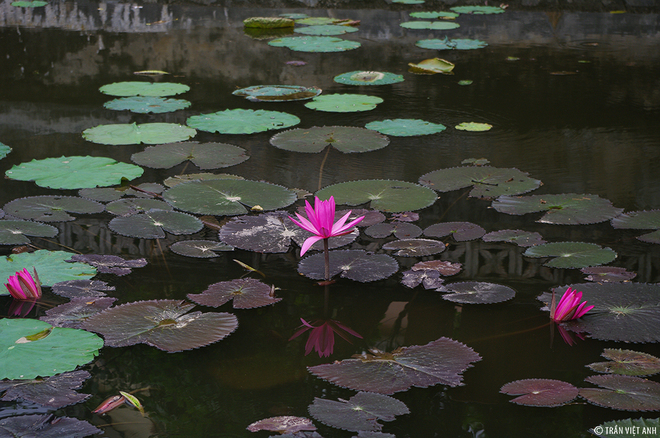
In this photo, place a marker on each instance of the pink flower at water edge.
(322, 337)
(569, 306)
(22, 286)
(320, 220)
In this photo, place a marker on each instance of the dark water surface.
(578, 109)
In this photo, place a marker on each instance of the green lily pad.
(74, 172)
(623, 428)
(432, 66)
(540, 392)
(267, 34)
(405, 127)
(409, 2)
(572, 254)
(467, 82)
(434, 15)
(476, 292)
(147, 104)
(325, 29)
(203, 249)
(519, 237)
(447, 44)
(607, 273)
(433, 25)
(277, 93)
(136, 88)
(315, 44)
(344, 103)
(147, 133)
(203, 155)
(478, 10)
(204, 176)
(627, 363)
(640, 220)
(43, 350)
(246, 293)
(384, 195)
(460, 231)
(130, 206)
(29, 4)
(16, 232)
(360, 77)
(623, 392)
(4, 150)
(415, 247)
(316, 21)
(228, 197)
(51, 208)
(51, 266)
(153, 224)
(346, 139)
(488, 182)
(473, 127)
(355, 265)
(269, 22)
(564, 209)
(242, 121)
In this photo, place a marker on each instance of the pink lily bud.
(22, 286)
(569, 306)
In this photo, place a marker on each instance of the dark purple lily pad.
(285, 424)
(406, 216)
(247, 293)
(164, 324)
(81, 288)
(627, 363)
(608, 274)
(355, 265)
(415, 247)
(360, 412)
(154, 223)
(430, 278)
(475, 292)
(109, 264)
(444, 268)
(73, 313)
(625, 393)
(369, 434)
(131, 206)
(540, 392)
(203, 155)
(461, 231)
(440, 362)
(488, 182)
(203, 249)
(51, 208)
(45, 426)
(371, 217)
(347, 139)
(401, 230)
(53, 392)
(16, 232)
(519, 237)
(101, 194)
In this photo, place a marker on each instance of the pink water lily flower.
(569, 306)
(22, 286)
(320, 220)
(322, 337)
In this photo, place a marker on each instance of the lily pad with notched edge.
(476, 292)
(627, 363)
(344, 103)
(488, 182)
(277, 93)
(569, 255)
(400, 230)
(624, 428)
(203, 249)
(247, 293)
(405, 127)
(228, 197)
(51, 267)
(131, 206)
(81, 288)
(439, 362)
(564, 209)
(51, 208)
(325, 29)
(73, 313)
(54, 392)
(608, 274)
(146, 105)
(141, 88)
(147, 133)
(355, 265)
(58, 349)
(519, 237)
(432, 66)
(460, 231)
(346, 139)
(360, 412)
(547, 393)
(164, 324)
(242, 121)
(74, 172)
(625, 393)
(433, 25)
(360, 77)
(447, 44)
(283, 425)
(203, 155)
(641, 220)
(385, 195)
(109, 264)
(16, 232)
(415, 247)
(315, 44)
(478, 10)
(46, 426)
(154, 223)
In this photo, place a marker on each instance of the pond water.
(574, 100)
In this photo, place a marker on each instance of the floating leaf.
(540, 392)
(242, 121)
(627, 362)
(346, 139)
(360, 412)
(433, 25)
(440, 362)
(409, 2)
(461, 231)
(432, 66)
(147, 133)
(154, 223)
(405, 127)
(519, 237)
(269, 22)
(15, 232)
(164, 324)
(46, 426)
(434, 15)
(146, 105)
(137, 88)
(205, 176)
(60, 350)
(571, 254)
(316, 21)
(344, 103)
(415, 247)
(371, 217)
(4, 150)
(564, 209)
(406, 216)
(109, 264)
(199, 248)
(360, 77)
(355, 265)
(51, 208)
(54, 392)
(476, 292)
(51, 266)
(401, 230)
(29, 4)
(325, 29)
(608, 274)
(623, 428)
(429, 278)
(473, 126)
(447, 44)
(443, 267)
(641, 220)
(204, 155)
(81, 288)
(247, 293)
(103, 194)
(488, 182)
(282, 425)
(625, 393)
(74, 172)
(315, 44)
(227, 197)
(469, 82)
(478, 10)
(277, 93)
(131, 206)
(384, 195)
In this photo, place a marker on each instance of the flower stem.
(326, 252)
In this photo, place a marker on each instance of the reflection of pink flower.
(320, 222)
(569, 306)
(322, 337)
(22, 286)
(21, 308)
(568, 337)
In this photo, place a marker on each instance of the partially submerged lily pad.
(641, 220)
(154, 223)
(51, 208)
(242, 121)
(400, 230)
(433, 25)
(347, 139)
(415, 247)
(109, 264)
(432, 66)
(447, 44)
(476, 292)
(344, 103)
(607, 274)
(54, 392)
(131, 206)
(277, 93)
(132, 133)
(315, 44)
(519, 237)
(405, 127)
(16, 232)
(384, 195)
(625, 393)
(203, 249)
(203, 155)
(51, 267)
(355, 265)
(460, 231)
(547, 393)
(488, 182)
(325, 29)
(146, 105)
(73, 313)
(571, 254)
(141, 88)
(474, 126)
(164, 324)
(246, 293)
(361, 77)
(627, 363)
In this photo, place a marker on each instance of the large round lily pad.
(204, 155)
(433, 25)
(355, 265)
(203, 249)
(627, 363)
(488, 182)
(130, 206)
(132, 133)
(146, 105)
(447, 44)
(384, 195)
(136, 88)
(51, 208)
(246, 293)
(540, 392)
(51, 266)
(277, 93)
(16, 232)
(242, 121)
(361, 77)
(405, 127)
(572, 254)
(623, 392)
(74, 172)
(346, 139)
(154, 223)
(461, 231)
(344, 103)
(477, 292)
(315, 44)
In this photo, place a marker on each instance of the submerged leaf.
(623, 392)
(571, 254)
(242, 121)
(147, 133)
(346, 139)
(344, 103)
(540, 392)
(607, 274)
(247, 293)
(400, 230)
(355, 265)
(627, 362)
(429, 278)
(447, 44)
(488, 182)
(475, 292)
